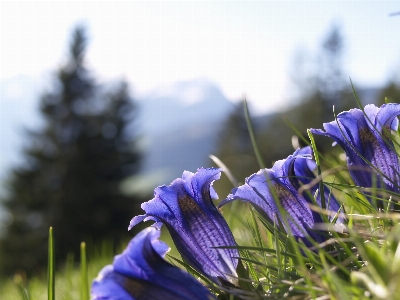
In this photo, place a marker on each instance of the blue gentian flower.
(140, 272)
(195, 224)
(366, 140)
(303, 175)
(282, 182)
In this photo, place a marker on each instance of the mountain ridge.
(177, 122)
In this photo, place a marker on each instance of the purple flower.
(303, 175)
(140, 272)
(195, 224)
(368, 145)
(282, 182)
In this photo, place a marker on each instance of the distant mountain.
(180, 125)
(179, 122)
(180, 104)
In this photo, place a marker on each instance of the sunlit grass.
(68, 280)
(361, 263)
(360, 259)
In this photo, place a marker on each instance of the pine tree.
(319, 83)
(323, 84)
(74, 167)
(234, 148)
(391, 91)
(321, 88)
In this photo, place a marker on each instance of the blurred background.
(103, 101)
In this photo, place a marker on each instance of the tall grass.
(359, 260)
(361, 263)
(73, 280)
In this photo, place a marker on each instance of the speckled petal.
(140, 272)
(366, 140)
(196, 226)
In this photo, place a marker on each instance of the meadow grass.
(361, 263)
(359, 259)
(69, 279)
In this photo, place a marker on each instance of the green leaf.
(321, 183)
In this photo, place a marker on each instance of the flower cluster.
(270, 188)
(203, 237)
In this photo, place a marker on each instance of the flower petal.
(105, 288)
(140, 272)
(196, 226)
(280, 184)
(303, 171)
(369, 149)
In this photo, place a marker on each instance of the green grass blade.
(21, 287)
(297, 132)
(209, 283)
(84, 274)
(226, 170)
(51, 268)
(251, 133)
(278, 253)
(245, 255)
(321, 183)
(257, 234)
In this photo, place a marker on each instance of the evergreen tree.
(327, 87)
(391, 91)
(234, 148)
(324, 83)
(73, 170)
(319, 83)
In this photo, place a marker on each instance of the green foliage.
(380, 274)
(73, 168)
(359, 261)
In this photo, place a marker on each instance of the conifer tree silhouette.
(73, 169)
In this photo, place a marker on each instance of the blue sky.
(245, 46)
